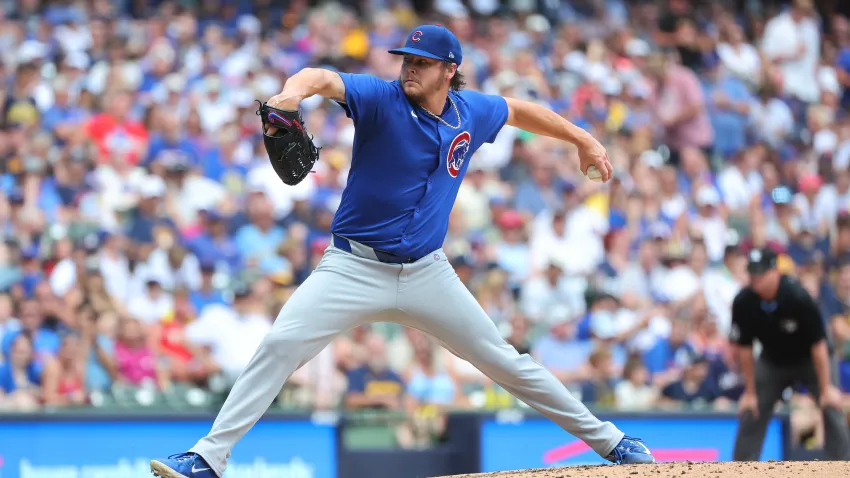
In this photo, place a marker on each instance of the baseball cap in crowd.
(689, 357)
(761, 260)
(432, 41)
(207, 265)
(241, 290)
(16, 197)
(708, 196)
(29, 253)
(781, 195)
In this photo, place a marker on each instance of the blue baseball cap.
(432, 41)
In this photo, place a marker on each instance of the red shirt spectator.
(115, 134)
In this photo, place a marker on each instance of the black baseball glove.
(290, 150)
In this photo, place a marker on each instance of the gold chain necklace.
(441, 119)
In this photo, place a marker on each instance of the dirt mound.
(767, 469)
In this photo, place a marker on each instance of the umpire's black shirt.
(787, 327)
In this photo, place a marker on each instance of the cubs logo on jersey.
(457, 153)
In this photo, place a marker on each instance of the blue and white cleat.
(182, 465)
(630, 451)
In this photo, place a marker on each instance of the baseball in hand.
(593, 174)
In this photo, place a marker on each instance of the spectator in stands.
(43, 341)
(136, 362)
(695, 388)
(681, 107)
(206, 293)
(99, 333)
(562, 352)
(174, 350)
(214, 243)
(720, 285)
(64, 378)
(21, 376)
(228, 336)
(604, 375)
(519, 335)
(374, 385)
(662, 360)
(95, 291)
(154, 303)
(551, 297)
(792, 42)
(634, 392)
(728, 104)
(8, 322)
(426, 382)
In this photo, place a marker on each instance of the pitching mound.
(769, 469)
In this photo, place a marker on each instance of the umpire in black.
(776, 310)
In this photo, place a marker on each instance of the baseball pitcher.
(413, 140)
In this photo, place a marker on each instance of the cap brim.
(758, 270)
(415, 51)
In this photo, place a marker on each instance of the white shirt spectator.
(150, 310)
(263, 178)
(738, 190)
(783, 37)
(116, 276)
(545, 303)
(720, 289)
(637, 281)
(73, 38)
(232, 339)
(743, 62)
(475, 202)
(199, 193)
(829, 202)
(118, 192)
(583, 232)
(634, 398)
(680, 283)
(63, 277)
(772, 121)
(496, 155)
(187, 275)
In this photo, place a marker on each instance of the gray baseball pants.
(347, 290)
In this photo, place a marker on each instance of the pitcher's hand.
(592, 153)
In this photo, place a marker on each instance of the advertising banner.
(110, 449)
(539, 443)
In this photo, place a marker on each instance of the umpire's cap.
(432, 41)
(761, 260)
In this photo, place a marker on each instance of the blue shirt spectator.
(728, 102)
(378, 384)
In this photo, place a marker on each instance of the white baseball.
(593, 174)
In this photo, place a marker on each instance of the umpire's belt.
(367, 252)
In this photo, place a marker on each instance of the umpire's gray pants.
(771, 381)
(346, 291)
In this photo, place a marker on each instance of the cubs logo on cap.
(457, 153)
(432, 41)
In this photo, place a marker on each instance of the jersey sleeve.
(490, 113)
(365, 96)
(741, 333)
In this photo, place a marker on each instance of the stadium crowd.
(148, 245)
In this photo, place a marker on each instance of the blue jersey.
(406, 165)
